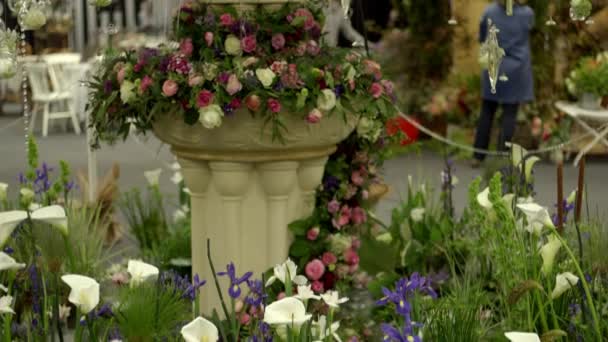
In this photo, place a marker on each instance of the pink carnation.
(333, 206)
(248, 44)
(274, 105)
(317, 286)
(343, 218)
(205, 98)
(146, 82)
(278, 41)
(209, 38)
(313, 48)
(329, 258)
(195, 79)
(226, 19)
(313, 233)
(376, 90)
(314, 116)
(186, 47)
(278, 67)
(359, 215)
(357, 178)
(351, 257)
(170, 88)
(315, 269)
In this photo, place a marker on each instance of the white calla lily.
(288, 311)
(516, 336)
(537, 216)
(305, 293)
(548, 253)
(281, 271)
(3, 191)
(84, 292)
(141, 271)
(322, 331)
(332, 298)
(153, 176)
(417, 214)
(529, 165)
(8, 263)
(563, 282)
(199, 330)
(483, 198)
(53, 215)
(519, 158)
(5, 305)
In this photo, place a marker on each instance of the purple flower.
(256, 293)
(223, 77)
(331, 183)
(393, 334)
(191, 291)
(339, 90)
(209, 19)
(163, 66)
(228, 110)
(105, 311)
(9, 250)
(235, 282)
(107, 87)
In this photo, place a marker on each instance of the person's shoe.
(475, 163)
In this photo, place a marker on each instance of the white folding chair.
(48, 100)
(74, 76)
(56, 63)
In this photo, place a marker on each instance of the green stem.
(78, 333)
(56, 309)
(7, 328)
(594, 315)
(541, 311)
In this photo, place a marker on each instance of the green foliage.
(590, 76)
(145, 216)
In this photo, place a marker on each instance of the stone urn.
(246, 188)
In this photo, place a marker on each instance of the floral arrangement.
(269, 63)
(590, 76)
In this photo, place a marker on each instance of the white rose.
(233, 46)
(127, 91)
(266, 76)
(364, 126)
(209, 71)
(8, 67)
(327, 100)
(3, 191)
(34, 19)
(211, 116)
(417, 214)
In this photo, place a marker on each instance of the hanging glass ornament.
(8, 52)
(346, 8)
(503, 78)
(509, 6)
(550, 22)
(31, 13)
(580, 9)
(452, 21)
(100, 3)
(493, 54)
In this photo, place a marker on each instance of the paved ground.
(134, 158)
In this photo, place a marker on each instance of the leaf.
(376, 256)
(553, 335)
(299, 227)
(299, 248)
(520, 290)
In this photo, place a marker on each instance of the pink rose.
(365, 194)
(205, 98)
(274, 105)
(120, 76)
(313, 233)
(248, 44)
(376, 90)
(359, 215)
(389, 87)
(278, 67)
(313, 48)
(170, 88)
(253, 102)
(333, 206)
(317, 286)
(209, 38)
(226, 19)
(278, 41)
(372, 68)
(186, 47)
(329, 258)
(356, 178)
(351, 257)
(356, 243)
(195, 79)
(314, 116)
(315, 269)
(234, 85)
(146, 82)
(245, 319)
(343, 219)
(281, 295)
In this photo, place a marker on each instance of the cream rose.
(209, 71)
(127, 91)
(233, 46)
(211, 116)
(327, 100)
(266, 76)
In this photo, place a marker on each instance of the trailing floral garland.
(271, 63)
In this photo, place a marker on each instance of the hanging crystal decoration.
(452, 21)
(550, 22)
(8, 52)
(580, 9)
(509, 6)
(346, 8)
(31, 13)
(493, 53)
(100, 3)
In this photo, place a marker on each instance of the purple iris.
(105, 311)
(256, 295)
(191, 291)
(228, 110)
(42, 182)
(567, 208)
(393, 334)
(107, 87)
(404, 289)
(235, 290)
(9, 250)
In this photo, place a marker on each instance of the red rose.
(274, 105)
(205, 98)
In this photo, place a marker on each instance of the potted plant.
(589, 81)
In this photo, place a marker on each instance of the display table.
(583, 117)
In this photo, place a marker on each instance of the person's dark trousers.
(486, 119)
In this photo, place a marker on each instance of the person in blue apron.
(514, 38)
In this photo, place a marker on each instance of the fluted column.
(310, 175)
(278, 180)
